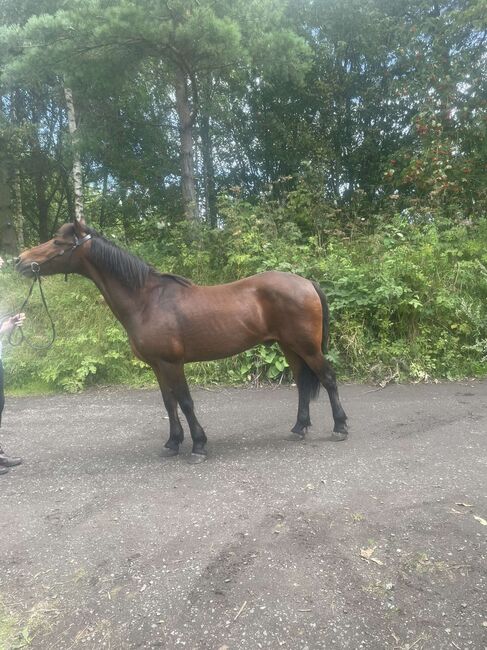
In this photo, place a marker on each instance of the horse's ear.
(79, 227)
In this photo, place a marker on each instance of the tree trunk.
(41, 201)
(17, 214)
(38, 169)
(11, 220)
(8, 243)
(77, 169)
(208, 171)
(188, 185)
(103, 200)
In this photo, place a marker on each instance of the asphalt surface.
(376, 542)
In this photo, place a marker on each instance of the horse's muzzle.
(24, 268)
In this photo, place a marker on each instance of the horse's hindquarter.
(223, 320)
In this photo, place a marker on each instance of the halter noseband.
(36, 266)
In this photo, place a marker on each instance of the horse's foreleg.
(176, 433)
(176, 380)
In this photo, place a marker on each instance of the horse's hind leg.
(325, 373)
(299, 369)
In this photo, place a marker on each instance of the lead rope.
(36, 270)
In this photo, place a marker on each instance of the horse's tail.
(325, 341)
(308, 380)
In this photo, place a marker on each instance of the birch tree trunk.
(17, 213)
(103, 200)
(77, 170)
(186, 152)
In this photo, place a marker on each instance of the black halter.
(36, 271)
(36, 266)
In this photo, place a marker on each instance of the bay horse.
(171, 321)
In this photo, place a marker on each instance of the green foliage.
(262, 363)
(347, 138)
(408, 299)
(90, 347)
(412, 298)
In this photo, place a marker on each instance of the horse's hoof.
(167, 452)
(295, 437)
(339, 436)
(196, 459)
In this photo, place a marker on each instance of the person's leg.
(3, 470)
(2, 394)
(5, 461)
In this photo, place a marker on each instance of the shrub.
(408, 299)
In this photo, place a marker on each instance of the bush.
(408, 299)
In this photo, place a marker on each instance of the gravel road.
(378, 542)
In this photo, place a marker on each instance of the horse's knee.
(186, 403)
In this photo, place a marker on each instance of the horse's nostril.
(16, 260)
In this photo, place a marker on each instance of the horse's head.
(58, 255)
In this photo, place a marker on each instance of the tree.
(442, 166)
(370, 104)
(77, 169)
(189, 43)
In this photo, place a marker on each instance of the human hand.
(11, 322)
(19, 319)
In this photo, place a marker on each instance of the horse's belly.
(215, 343)
(210, 350)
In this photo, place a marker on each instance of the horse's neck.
(123, 301)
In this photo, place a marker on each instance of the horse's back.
(273, 281)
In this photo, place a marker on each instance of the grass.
(16, 632)
(10, 628)
(31, 389)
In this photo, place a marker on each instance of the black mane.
(129, 269)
